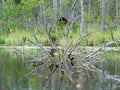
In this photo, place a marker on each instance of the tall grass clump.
(16, 37)
(99, 37)
(2, 39)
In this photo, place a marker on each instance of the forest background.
(21, 19)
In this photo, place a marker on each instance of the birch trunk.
(117, 9)
(72, 16)
(0, 15)
(82, 16)
(103, 15)
(89, 8)
(89, 13)
(60, 7)
(55, 9)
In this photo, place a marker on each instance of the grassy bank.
(58, 36)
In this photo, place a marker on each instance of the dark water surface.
(18, 73)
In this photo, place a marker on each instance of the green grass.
(58, 36)
(16, 37)
(2, 41)
(101, 37)
(112, 55)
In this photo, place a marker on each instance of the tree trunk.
(55, 9)
(0, 15)
(82, 17)
(72, 9)
(103, 15)
(89, 8)
(60, 7)
(117, 9)
(89, 13)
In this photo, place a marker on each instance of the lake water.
(17, 72)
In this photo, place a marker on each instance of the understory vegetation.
(65, 29)
(23, 19)
(96, 38)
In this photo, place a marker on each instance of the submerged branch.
(102, 47)
(39, 45)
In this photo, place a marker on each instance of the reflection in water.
(17, 73)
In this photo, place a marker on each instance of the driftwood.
(71, 56)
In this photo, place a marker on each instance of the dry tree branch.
(53, 45)
(39, 45)
(79, 41)
(101, 46)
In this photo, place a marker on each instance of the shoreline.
(49, 47)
